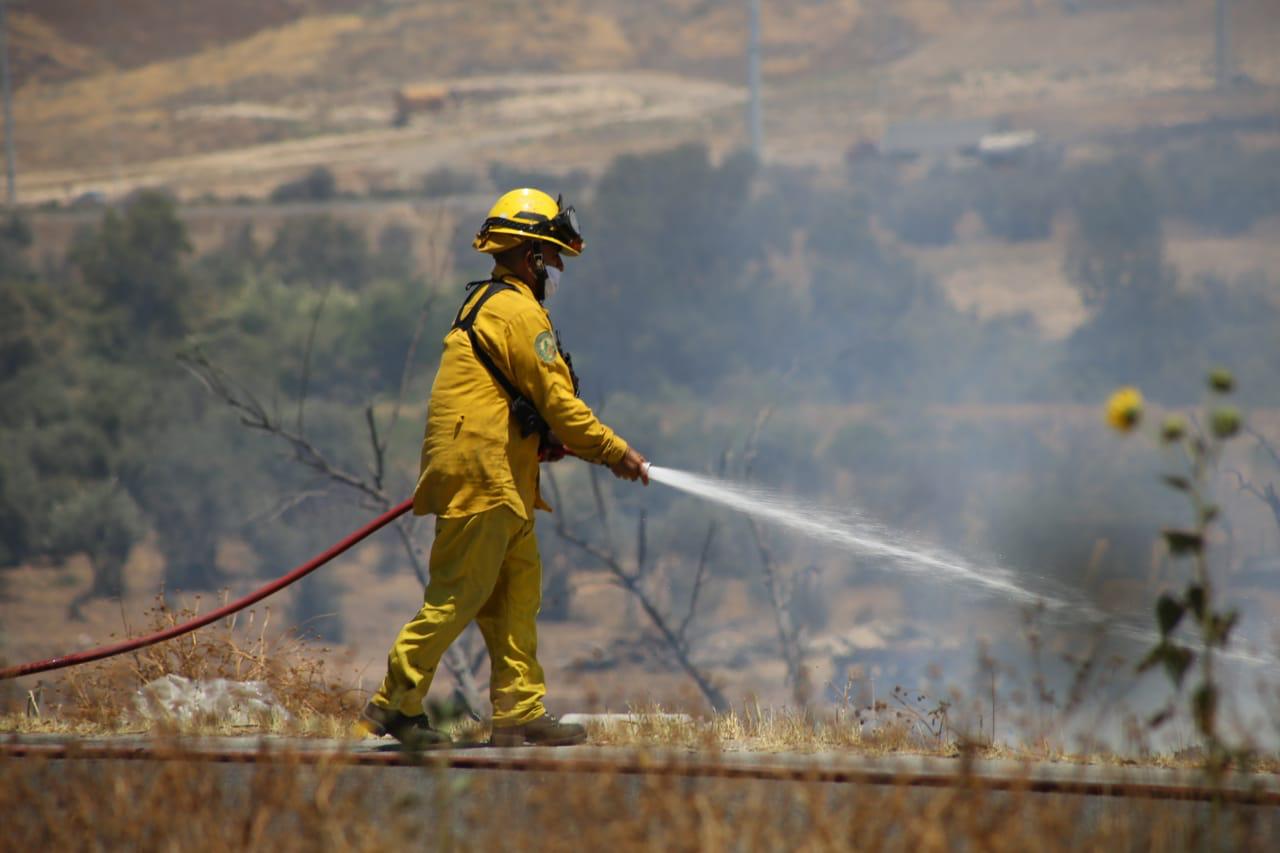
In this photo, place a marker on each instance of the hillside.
(153, 81)
(59, 39)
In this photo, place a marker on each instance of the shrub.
(1018, 204)
(320, 249)
(445, 181)
(925, 213)
(317, 185)
(1219, 186)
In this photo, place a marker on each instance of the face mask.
(553, 282)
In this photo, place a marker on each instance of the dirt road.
(517, 112)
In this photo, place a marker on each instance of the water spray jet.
(857, 533)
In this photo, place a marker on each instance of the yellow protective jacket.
(473, 456)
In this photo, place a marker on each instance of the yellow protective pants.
(483, 567)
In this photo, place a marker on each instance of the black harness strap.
(528, 419)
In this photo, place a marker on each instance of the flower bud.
(1221, 380)
(1225, 421)
(1173, 428)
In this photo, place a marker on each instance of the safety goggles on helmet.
(566, 224)
(563, 228)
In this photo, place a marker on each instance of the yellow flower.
(1124, 409)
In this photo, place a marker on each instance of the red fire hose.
(177, 630)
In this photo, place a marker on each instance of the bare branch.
(404, 529)
(601, 506)
(631, 582)
(288, 504)
(306, 354)
(698, 579)
(379, 448)
(677, 646)
(1267, 495)
(640, 545)
(788, 634)
(255, 416)
(1265, 444)
(407, 370)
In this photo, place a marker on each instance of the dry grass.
(98, 698)
(766, 730)
(183, 804)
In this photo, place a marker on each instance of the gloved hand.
(552, 450)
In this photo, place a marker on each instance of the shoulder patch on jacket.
(545, 346)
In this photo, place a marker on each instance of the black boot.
(413, 732)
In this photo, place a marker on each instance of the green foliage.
(100, 520)
(375, 334)
(394, 256)
(104, 439)
(132, 265)
(320, 250)
(59, 493)
(925, 212)
(672, 267)
(27, 311)
(1018, 203)
(445, 181)
(15, 240)
(1156, 342)
(1220, 186)
(225, 268)
(1116, 255)
(1200, 452)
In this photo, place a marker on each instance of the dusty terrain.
(234, 102)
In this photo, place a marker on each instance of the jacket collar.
(501, 273)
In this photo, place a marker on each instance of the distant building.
(419, 99)
(997, 148)
(934, 138)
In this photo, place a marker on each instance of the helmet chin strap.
(539, 270)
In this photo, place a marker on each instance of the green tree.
(319, 250)
(925, 212)
(15, 241)
(132, 264)
(318, 184)
(1018, 203)
(667, 250)
(395, 256)
(1116, 258)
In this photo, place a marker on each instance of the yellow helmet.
(529, 214)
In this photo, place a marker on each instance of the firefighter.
(503, 400)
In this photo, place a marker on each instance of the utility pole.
(1222, 47)
(12, 191)
(755, 111)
